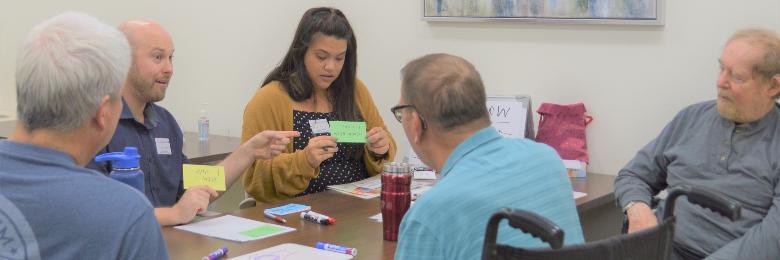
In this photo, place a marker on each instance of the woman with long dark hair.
(315, 84)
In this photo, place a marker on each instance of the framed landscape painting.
(637, 12)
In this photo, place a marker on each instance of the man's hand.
(195, 200)
(378, 141)
(268, 144)
(640, 217)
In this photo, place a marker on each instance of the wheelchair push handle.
(708, 199)
(529, 222)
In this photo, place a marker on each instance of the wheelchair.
(651, 243)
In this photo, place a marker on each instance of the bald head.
(140, 31)
(446, 90)
(152, 66)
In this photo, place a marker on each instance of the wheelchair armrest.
(708, 199)
(705, 198)
(528, 222)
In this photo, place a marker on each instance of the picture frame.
(620, 12)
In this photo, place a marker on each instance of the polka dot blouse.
(344, 167)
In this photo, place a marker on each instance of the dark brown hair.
(292, 71)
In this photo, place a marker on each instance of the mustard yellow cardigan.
(289, 173)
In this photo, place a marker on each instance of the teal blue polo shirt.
(484, 173)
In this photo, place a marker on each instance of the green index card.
(348, 132)
(261, 231)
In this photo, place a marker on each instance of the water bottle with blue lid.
(125, 167)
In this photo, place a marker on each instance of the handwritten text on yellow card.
(213, 176)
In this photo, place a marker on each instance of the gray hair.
(65, 67)
(446, 90)
(768, 65)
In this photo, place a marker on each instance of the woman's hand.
(378, 141)
(319, 149)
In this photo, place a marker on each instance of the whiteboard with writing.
(511, 115)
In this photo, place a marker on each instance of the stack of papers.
(372, 188)
(234, 228)
(365, 189)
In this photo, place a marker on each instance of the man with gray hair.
(69, 72)
(445, 118)
(731, 145)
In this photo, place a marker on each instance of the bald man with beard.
(159, 138)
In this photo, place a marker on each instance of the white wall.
(633, 79)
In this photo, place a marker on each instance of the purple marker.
(217, 254)
(335, 248)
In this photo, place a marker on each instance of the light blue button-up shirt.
(484, 173)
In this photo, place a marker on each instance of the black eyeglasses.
(396, 110)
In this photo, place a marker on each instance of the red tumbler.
(395, 197)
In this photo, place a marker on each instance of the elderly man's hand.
(268, 144)
(640, 217)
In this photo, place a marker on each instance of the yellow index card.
(213, 176)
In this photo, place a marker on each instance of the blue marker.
(335, 248)
(217, 254)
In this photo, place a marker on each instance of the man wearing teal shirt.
(444, 116)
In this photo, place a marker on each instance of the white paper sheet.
(360, 188)
(572, 164)
(230, 227)
(291, 251)
(424, 175)
(377, 217)
(370, 184)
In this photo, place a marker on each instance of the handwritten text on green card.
(348, 132)
(213, 176)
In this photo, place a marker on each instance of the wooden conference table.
(212, 151)
(353, 227)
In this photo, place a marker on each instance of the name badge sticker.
(319, 126)
(163, 146)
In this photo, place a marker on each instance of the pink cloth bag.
(563, 128)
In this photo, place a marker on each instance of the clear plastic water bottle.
(203, 125)
(125, 167)
(395, 198)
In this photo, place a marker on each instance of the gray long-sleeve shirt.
(701, 148)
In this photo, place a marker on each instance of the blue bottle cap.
(127, 159)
